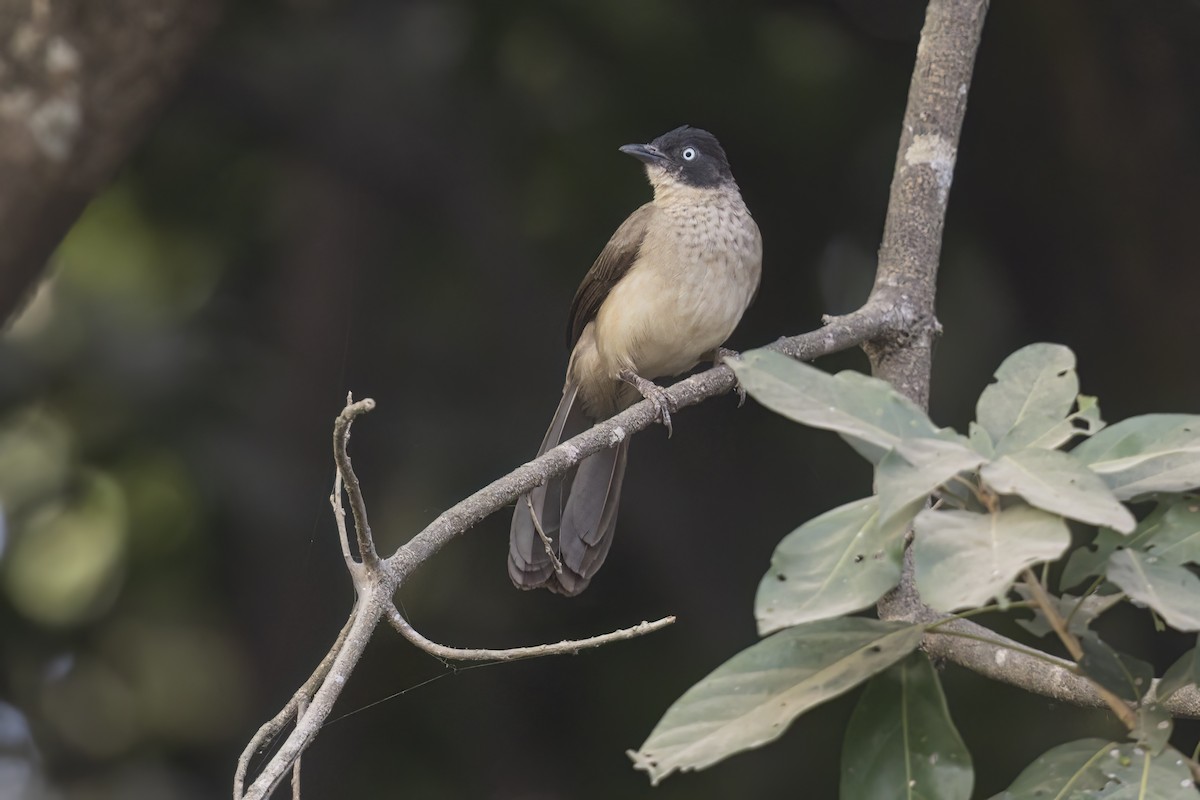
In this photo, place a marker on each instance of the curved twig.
(565, 647)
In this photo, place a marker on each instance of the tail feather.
(577, 512)
(529, 565)
(590, 517)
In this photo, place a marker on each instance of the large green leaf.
(901, 742)
(1171, 590)
(910, 472)
(838, 563)
(1037, 382)
(1093, 768)
(871, 415)
(752, 698)
(1056, 482)
(963, 559)
(1146, 454)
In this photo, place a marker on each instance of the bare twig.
(358, 507)
(546, 541)
(273, 726)
(301, 707)
(1071, 642)
(565, 647)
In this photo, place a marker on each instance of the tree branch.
(994, 656)
(906, 281)
(873, 320)
(81, 80)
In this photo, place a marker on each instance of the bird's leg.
(652, 392)
(718, 357)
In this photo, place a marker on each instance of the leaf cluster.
(983, 508)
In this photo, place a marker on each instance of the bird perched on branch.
(667, 290)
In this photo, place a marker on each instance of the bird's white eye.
(689, 154)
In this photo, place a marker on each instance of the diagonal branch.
(840, 333)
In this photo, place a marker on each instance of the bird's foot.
(654, 393)
(719, 356)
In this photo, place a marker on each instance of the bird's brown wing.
(613, 262)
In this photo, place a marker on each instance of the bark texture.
(79, 82)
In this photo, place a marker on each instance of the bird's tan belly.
(661, 322)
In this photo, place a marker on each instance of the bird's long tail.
(577, 513)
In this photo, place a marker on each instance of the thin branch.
(368, 610)
(301, 707)
(271, 728)
(565, 647)
(547, 542)
(339, 518)
(341, 457)
(1071, 642)
(992, 655)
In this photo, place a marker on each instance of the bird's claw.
(655, 394)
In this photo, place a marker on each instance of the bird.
(664, 294)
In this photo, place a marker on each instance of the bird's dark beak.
(646, 153)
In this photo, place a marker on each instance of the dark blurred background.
(398, 199)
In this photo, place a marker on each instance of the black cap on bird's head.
(689, 155)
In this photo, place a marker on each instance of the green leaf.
(1153, 727)
(980, 441)
(1050, 431)
(1078, 613)
(871, 415)
(1146, 454)
(908, 474)
(901, 741)
(1035, 382)
(1126, 676)
(1056, 482)
(838, 563)
(1066, 771)
(1171, 590)
(1091, 559)
(1135, 773)
(962, 559)
(1171, 533)
(1095, 768)
(1176, 537)
(752, 698)
(1184, 672)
